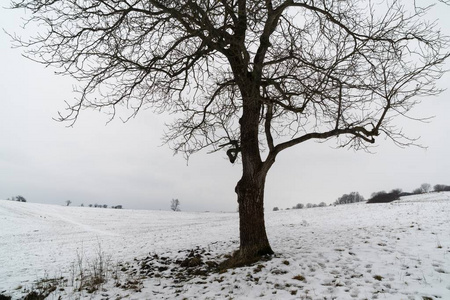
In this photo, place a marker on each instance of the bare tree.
(68, 202)
(251, 77)
(353, 197)
(175, 205)
(425, 187)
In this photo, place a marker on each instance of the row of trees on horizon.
(353, 197)
(376, 197)
(17, 198)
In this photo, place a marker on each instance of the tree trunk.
(250, 189)
(252, 230)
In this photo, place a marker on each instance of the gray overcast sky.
(47, 162)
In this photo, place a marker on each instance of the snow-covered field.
(358, 251)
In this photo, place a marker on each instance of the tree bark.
(250, 189)
(253, 238)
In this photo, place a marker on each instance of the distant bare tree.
(425, 187)
(251, 77)
(353, 197)
(68, 202)
(175, 205)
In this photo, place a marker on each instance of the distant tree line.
(441, 188)
(103, 206)
(17, 198)
(376, 197)
(383, 197)
(302, 206)
(309, 205)
(353, 197)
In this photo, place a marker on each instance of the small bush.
(299, 206)
(378, 277)
(18, 198)
(299, 278)
(417, 191)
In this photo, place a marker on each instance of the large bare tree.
(252, 77)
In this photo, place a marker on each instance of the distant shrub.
(322, 204)
(441, 188)
(18, 198)
(117, 207)
(383, 197)
(417, 191)
(377, 193)
(396, 191)
(276, 209)
(299, 206)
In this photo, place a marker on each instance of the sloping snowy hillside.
(359, 251)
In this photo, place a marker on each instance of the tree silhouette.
(425, 187)
(175, 205)
(251, 77)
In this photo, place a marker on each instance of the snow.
(399, 250)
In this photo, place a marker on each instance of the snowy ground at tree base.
(398, 250)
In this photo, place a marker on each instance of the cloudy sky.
(92, 162)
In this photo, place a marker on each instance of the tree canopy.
(322, 68)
